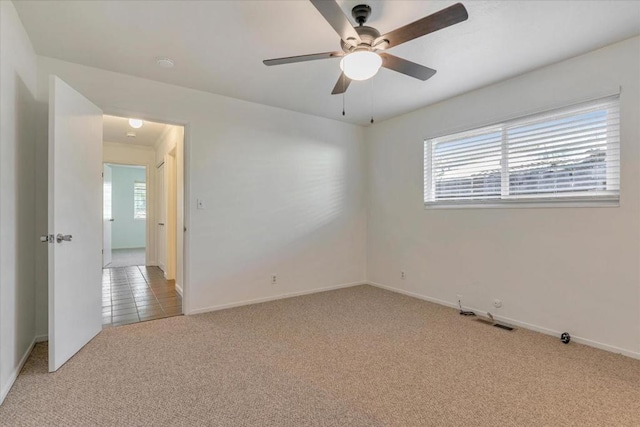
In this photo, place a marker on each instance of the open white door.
(75, 227)
(107, 215)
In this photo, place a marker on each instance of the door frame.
(160, 203)
(186, 190)
(150, 213)
(171, 183)
(106, 170)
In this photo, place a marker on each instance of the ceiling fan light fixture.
(361, 64)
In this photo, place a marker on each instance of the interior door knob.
(66, 237)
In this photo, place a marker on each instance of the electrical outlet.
(403, 275)
(497, 303)
(274, 279)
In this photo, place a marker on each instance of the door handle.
(60, 238)
(111, 220)
(46, 238)
(161, 223)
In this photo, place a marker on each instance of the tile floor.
(136, 294)
(127, 257)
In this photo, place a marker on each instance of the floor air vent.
(491, 321)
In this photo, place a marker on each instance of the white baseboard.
(274, 298)
(179, 289)
(14, 374)
(514, 322)
(42, 338)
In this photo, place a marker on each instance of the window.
(571, 154)
(139, 200)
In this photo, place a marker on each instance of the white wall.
(555, 269)
(284, 191)
(17, 191)
(126, 231)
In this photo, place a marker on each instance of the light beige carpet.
(353, 357)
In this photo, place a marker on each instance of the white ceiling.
(218, 46)
(115, 129)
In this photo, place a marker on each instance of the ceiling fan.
(363, 48)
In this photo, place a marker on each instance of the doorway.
(81, 139)
(124, 215)
(142, 221)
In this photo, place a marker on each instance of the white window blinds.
(139, 200)
(571, 153)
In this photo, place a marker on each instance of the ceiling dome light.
(361, 64)
(135, 123)
(164, 62)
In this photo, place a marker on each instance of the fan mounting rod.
(361, 13)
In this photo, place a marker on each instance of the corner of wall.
(496, 247)
(18, 84)
(6, 387)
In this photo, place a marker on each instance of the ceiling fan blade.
(342, 85)
(434, 22)
(409, 68)
(338, 20)
(302, 58)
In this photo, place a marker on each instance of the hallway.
(137, 294)
(127, 257)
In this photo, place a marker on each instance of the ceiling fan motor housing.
(368, 35)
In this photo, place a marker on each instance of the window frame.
(538, 200)
(135, 209)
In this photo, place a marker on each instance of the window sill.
(613, 202)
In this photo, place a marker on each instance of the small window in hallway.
(139, 200)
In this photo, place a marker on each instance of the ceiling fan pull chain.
(343, 94)
(371, 90)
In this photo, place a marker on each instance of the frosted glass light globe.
(135, 123)
(361, 65)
